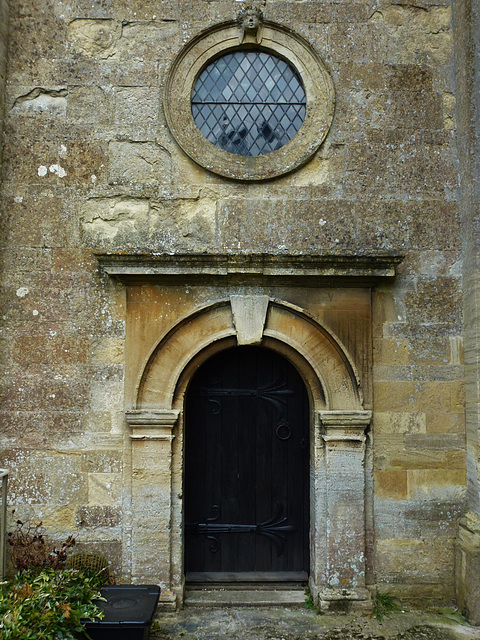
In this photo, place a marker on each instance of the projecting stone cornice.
(300, 270)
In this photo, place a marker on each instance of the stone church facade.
(137, 252)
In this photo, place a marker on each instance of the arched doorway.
(247, 469)
(337, 441)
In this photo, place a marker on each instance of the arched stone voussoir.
(173, 353)
(323, 351)
(285, 323)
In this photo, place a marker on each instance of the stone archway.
(338, 424)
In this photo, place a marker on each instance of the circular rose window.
(249, 103)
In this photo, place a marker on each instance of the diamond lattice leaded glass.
(248, 103)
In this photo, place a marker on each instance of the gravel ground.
(278, 623)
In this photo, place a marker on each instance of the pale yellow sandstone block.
(399, 423)
(430, 483)
(389, 351)
(394, 396)
(391, 484)
(104, 488)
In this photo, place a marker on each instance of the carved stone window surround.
(283, 43)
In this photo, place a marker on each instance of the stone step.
(244, 597)
(247, 586)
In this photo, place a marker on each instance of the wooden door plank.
(235, 460)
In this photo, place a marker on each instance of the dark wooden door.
(247, 469)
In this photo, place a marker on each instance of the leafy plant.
(383, 605)
(47, 604)
(29, 548)
(309, 603)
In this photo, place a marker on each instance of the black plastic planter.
(129, 611)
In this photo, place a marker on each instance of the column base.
(167, 602)
(333, 600)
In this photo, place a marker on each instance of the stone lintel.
(152, 425)
(265, 269)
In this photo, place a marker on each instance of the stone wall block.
(103, 461)
(93, 38)
(25, 261)
(413, 561)
(140, 41)
(138, 163)
(35, 43)
(53, 163)
(391, 483)
(51, 228)
(446, 423)
(403, 518)
(416, 34)
(436, 484)
(147, 9)
(106, 394)
(111, 72)
(30, 351)
(300, 225)
(106, 221)
(99, 9)
(90, 104)
(186, 225)
(94, 516)
(34, 394)
(47, 478)
(436, 299)
(399, 422)
(136, 106)
(359, 42)
(45, 104)
(412, 110)
(411, 169)
(104, 488)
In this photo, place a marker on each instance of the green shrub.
(47, 604)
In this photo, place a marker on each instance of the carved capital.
(152, 425)
(344, 429)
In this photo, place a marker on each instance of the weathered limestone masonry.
(3, 62)
(98, 350)
(467, 37)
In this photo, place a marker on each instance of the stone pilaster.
(467, 46)
(343, 434)
(152, 437)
